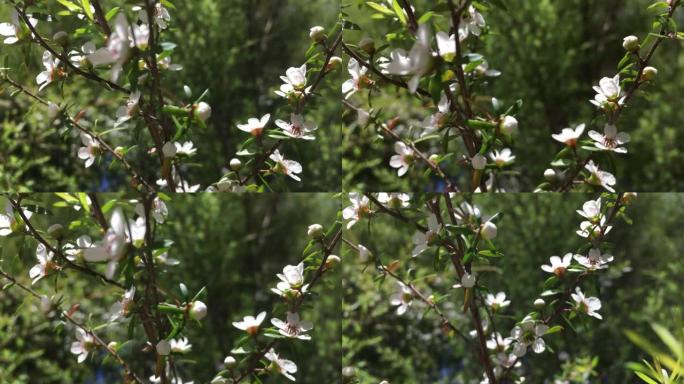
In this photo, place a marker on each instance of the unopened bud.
(317, 33)
(331, 261)
(56, 231)
(198, 310)
(229, 361)
(202, 111)
(631, 43)
(334, 62)
(315, 231)
(163, 348)
(61, 38)
(488, 230)
(629, 197)
(509, 125)
(235, 164)
(434, 158)
(539, 303)
(649, 73)
(550, 174)
(169, 150)
(348, 372)
(119, 151)
(367, 45)
(479, 162)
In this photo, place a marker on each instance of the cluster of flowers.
(528, 334)
(422, 61)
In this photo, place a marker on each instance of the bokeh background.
(642, 286)
(235, 48)
(234, 245)
(550, 54)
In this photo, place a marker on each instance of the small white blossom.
(180, 345)
(436, 121)
(416, 63)
(51, 72)
(294, 82)
(497, 301)
(118, 49)
(291, 280)
(608, 93)
(250, 324)
(402, 298)
(297, 128)
(359, 209)
(403, 159)
(558, 266)
(498, 342)
(83, 346)
(283, 366)
(394, 200)
(44, 266)
(358, 78)
(8, 221)
(503, 158)
(600, 178)
(13, 31)
(186, 149)
(587, 305)
(594, 260)
(529, 333)
(255, 126)
(125, 113)
(293, 327)
(570, 136)
(123, 307)
(610, 140)
(90, 150)
(287, 167)
(423, 240)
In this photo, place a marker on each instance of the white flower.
(558, 266)
(610, 140)
(291, 281)
(468, 280)
(293, 327)
(446, 44)
(8, 221)
(588, 305)
(608, 93)
(80, 59)
(600, 178)
(180, 345)
(402, 298)
(424, 240)
(591, 210)
(44, 266)
(198, 310)
(594, 260)
(498, 342)
(359, 209)
(283, 366)
(394, 200)
(570, 136)
(113, 246)
(123, 307)
(159, 210)
(84, 345)
(474, 22)
(403, 159)
(416, 63)
(138, 229)
(75, 251)
(294, 82)
(297, 127)
(118, 49)
(90, 150)
(436, 121)
(250, 324)
(13, 31)
(51, 72)
(125, 113)
(255, 126)
(591, 229)
(497, 301)
(502, 158)
(478, 162)
(529, 332)
(186, 149)
(286, 167)
(358, 78)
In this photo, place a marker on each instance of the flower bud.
(198, 310)
(235, 164)
(550, 174)
(113, 345)
(468, 280)
(629, 197)
(334, 62)
(348, 372)
(434, 158)
(509, 125)
(163, 348)
(61, 38)
(331, 261)
(220, 380)
(45, 304)
(169, 150)
(363, 253)
(53, 111)
(479, 162)
(317, 33)
(229, 361)
(56, 231)
(202, 111)
(649, 73)
(631, 43)
(488, 230)
(367, 45)
(315, 231)
(539, 303)
(119, 151)
(362, 118)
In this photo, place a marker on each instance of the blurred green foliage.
(236, 49)
(550, 54)
(643, 285)
(234, 245)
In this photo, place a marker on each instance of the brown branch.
(34, 233)
(100, 18)
(129, 372)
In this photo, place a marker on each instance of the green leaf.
(110, 15)
(86, 9)
(645, 378)
(69, 5)
(399, 12)
(83, 198)
(380, 8)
